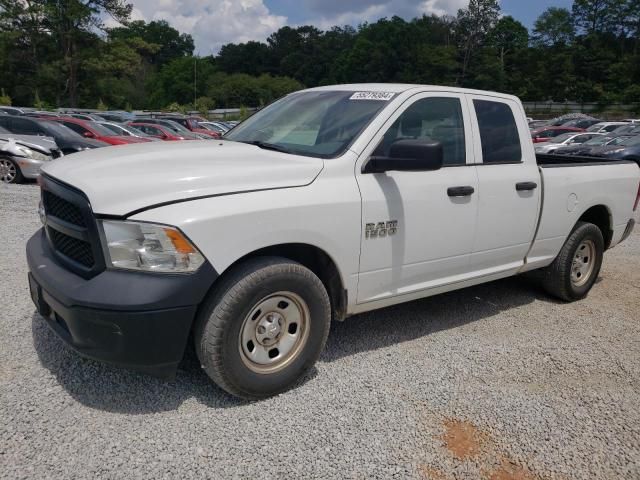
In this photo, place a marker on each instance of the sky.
(212, 23)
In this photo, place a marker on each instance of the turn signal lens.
(180, 243)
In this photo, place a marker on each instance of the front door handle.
(460, 191)
(524, 186)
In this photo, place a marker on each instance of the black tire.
(18, 177)
(557, 278)
(221, 319)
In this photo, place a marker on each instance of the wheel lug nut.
(261, 329)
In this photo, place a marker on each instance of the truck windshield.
(318, 124)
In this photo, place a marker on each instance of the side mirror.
(88, 135)
(408, 156)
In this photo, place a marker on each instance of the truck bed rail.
(551, 160)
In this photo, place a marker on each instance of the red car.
(96, 131)
(192, 124)
(547, 133)
(158, 131)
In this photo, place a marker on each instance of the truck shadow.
(405, 322)
(104, 387)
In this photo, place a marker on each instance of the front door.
(418, 231)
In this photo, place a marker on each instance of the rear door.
(509, 185)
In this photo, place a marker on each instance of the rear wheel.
(9, 171)
(263, 327)
(576, 268)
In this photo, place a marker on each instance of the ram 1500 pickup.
(327, 203)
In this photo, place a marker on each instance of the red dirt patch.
(462, 438)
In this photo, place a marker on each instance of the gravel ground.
(496, 381)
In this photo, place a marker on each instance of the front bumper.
(29, 167)
(132, 319)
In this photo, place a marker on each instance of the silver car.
(22, 156)
(565, 140)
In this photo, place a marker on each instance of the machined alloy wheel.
(8, 171)
(583, 263)
(275, 332)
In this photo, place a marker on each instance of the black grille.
(73, 248)
(56, 153)
(71, 228)
(62, 209)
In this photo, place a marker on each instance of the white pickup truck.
(329, 202)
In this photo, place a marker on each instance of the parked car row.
(29, 137)
(614, 140)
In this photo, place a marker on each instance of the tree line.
(60, 53)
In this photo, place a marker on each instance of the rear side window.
(22, 126)
(498, 132)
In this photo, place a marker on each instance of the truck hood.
(121, 180)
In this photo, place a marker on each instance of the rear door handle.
(460, 191)
(524, 186)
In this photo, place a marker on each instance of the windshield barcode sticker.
(381, 96)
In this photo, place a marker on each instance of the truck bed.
(610, 185)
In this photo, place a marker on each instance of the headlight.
(149, 247)
(29, 153)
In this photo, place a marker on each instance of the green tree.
(598, 16)
(169, 43)
(507, 37)
(473, 25)
(554, 27)
(73, 24)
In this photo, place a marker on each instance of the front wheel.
(9, 171)
(263, 327)
(576, 268)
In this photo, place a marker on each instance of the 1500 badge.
(381, 229)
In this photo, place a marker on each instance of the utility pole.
(195, 81)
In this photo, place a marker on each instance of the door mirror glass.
(408, 155)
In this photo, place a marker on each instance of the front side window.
(498, 132)
(430, 119)
(561, 138)
(75, 127)
(115, 129)
(313, 123)
(149, 130)
(580, 139)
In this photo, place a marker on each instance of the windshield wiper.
(268, 146)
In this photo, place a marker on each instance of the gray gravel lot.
(496, 382)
